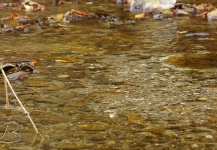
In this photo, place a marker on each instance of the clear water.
(125, 86)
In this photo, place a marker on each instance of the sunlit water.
(129, 86)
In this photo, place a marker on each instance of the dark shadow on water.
(193, 61)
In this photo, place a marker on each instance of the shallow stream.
(134, 86)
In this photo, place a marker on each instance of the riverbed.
(138, 85)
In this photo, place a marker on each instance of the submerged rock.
(160, 16)
(18, 75)
(93, 127)
(17, 70)
(196, 34)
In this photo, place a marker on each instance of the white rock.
(150, 5)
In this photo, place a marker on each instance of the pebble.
(194, 145)
(63, 76)
(89, 3)
(93, 127)
(202, 99)
(209, 136)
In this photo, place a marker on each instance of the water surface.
(114, 86)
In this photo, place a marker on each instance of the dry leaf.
(182, 32)
(139, 16)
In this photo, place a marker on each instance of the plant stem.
(25, 111)
(6, 94)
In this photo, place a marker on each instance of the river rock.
(37, 83)
(151, 6)
(93, 127)
(18, 75)
(194, 145)
(154, 129)
(55, 85)
(170, 133)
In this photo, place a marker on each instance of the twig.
(25, 111)
(6, 94)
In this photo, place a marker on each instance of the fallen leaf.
(139, 16)
(181, 32)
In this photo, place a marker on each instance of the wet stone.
(202, 99)
(135, 117)
(212, 119)
(94, 127)
(38, 83)
(138, 70)
(3, 115)
(194, 146)
(88, 117)
(98, 137)
(154, 129)
(48, 99)
(55, 85)
(170, 133)
(49, 118)
(4, 146)
(63, 76)
(78, 103)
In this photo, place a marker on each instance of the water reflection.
(108, 88)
